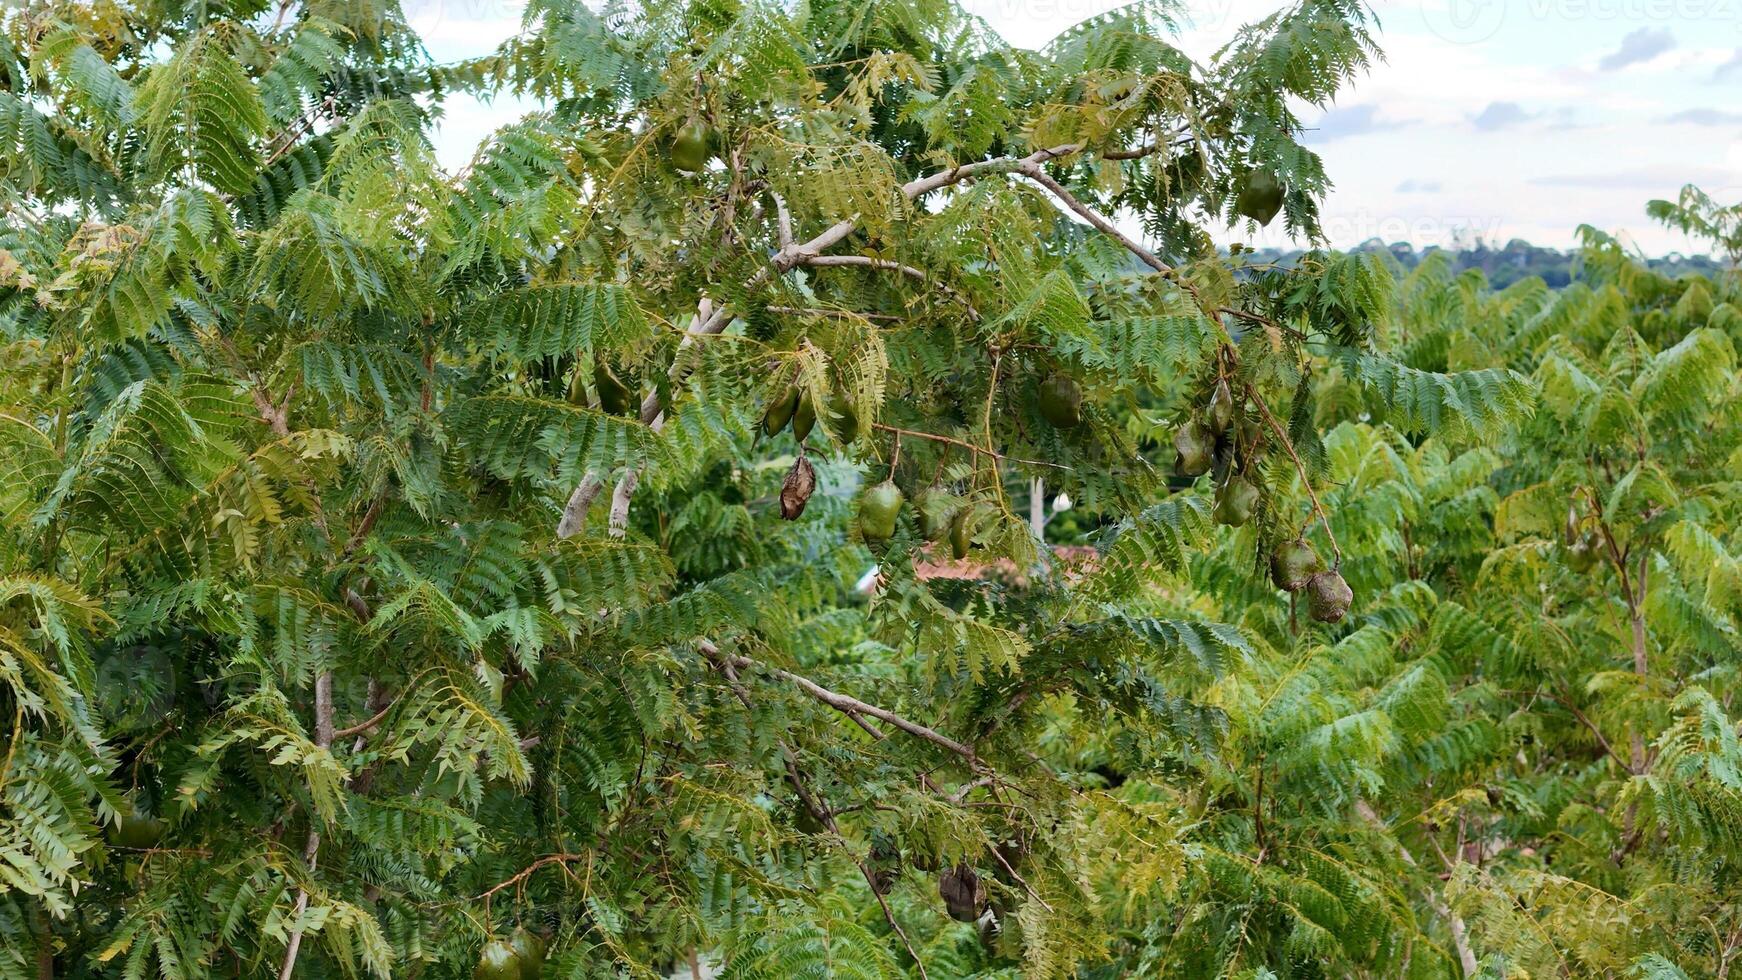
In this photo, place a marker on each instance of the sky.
(1491, 119)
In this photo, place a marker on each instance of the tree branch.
(311, 849)
(849, 705)
(906, 270)
(1034, 172)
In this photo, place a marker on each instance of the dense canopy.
(811, 500)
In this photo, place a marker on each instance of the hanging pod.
(1328, 596)
(931, 511)
(1193, 446)
(1260, 197)
(1220, 412)
(692, 146)
(846, 418)
(1061, 400)
(961, 532)
(1293, 564)
(878, 509)
(497, 961)
(963, 893)
(615, 398)
(528, 947)
(796, 490)
(804, 417)
(1236, 501)
(779, 412)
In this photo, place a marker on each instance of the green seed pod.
(692, 146)
(961, 533)
(1193, 446)
(1293, 564)
(528, 946)
(779, 412)
(137, 831)
(878, 510)
(497, 961)
(1260, 197)
(1328, 597)
(1220, 413)
(615, 398)
(846, 418)
(1061, 401)
(804, 418)
(1582, 554)
(932, 511)
(1236, 501)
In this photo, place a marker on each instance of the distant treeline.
(1518, 259)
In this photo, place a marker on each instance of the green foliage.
(346, 626)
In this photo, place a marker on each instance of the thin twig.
(1300, 467)
(934, 437)
(850, 705)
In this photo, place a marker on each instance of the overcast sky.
(1493, 118)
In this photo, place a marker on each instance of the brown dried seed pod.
(963, 893)
(801, 480)
(1328, 596)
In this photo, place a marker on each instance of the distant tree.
(1696, 213)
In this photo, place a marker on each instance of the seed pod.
(878, 510)
(137, 831)
(615, 398)
(1260, 197)
(1582, 553)
(883, 866)
(497, 961)
(1061, 401)
(804, 417)
(692, 146)
(846, 418)
(795, 492)
(931, 510)
(1328, 596)
(528, 946)
(1220, 413)
(1192, 445)
(779, 412)
(961, 533)
(1293, 564)
(1235, 502)
(963, 893)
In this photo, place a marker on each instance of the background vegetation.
(404, 572)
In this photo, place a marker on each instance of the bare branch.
(620, 502)
(1033, 172)
(575, 511)
(853, 706)
(906, 270)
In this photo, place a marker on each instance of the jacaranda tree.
(628, 552)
